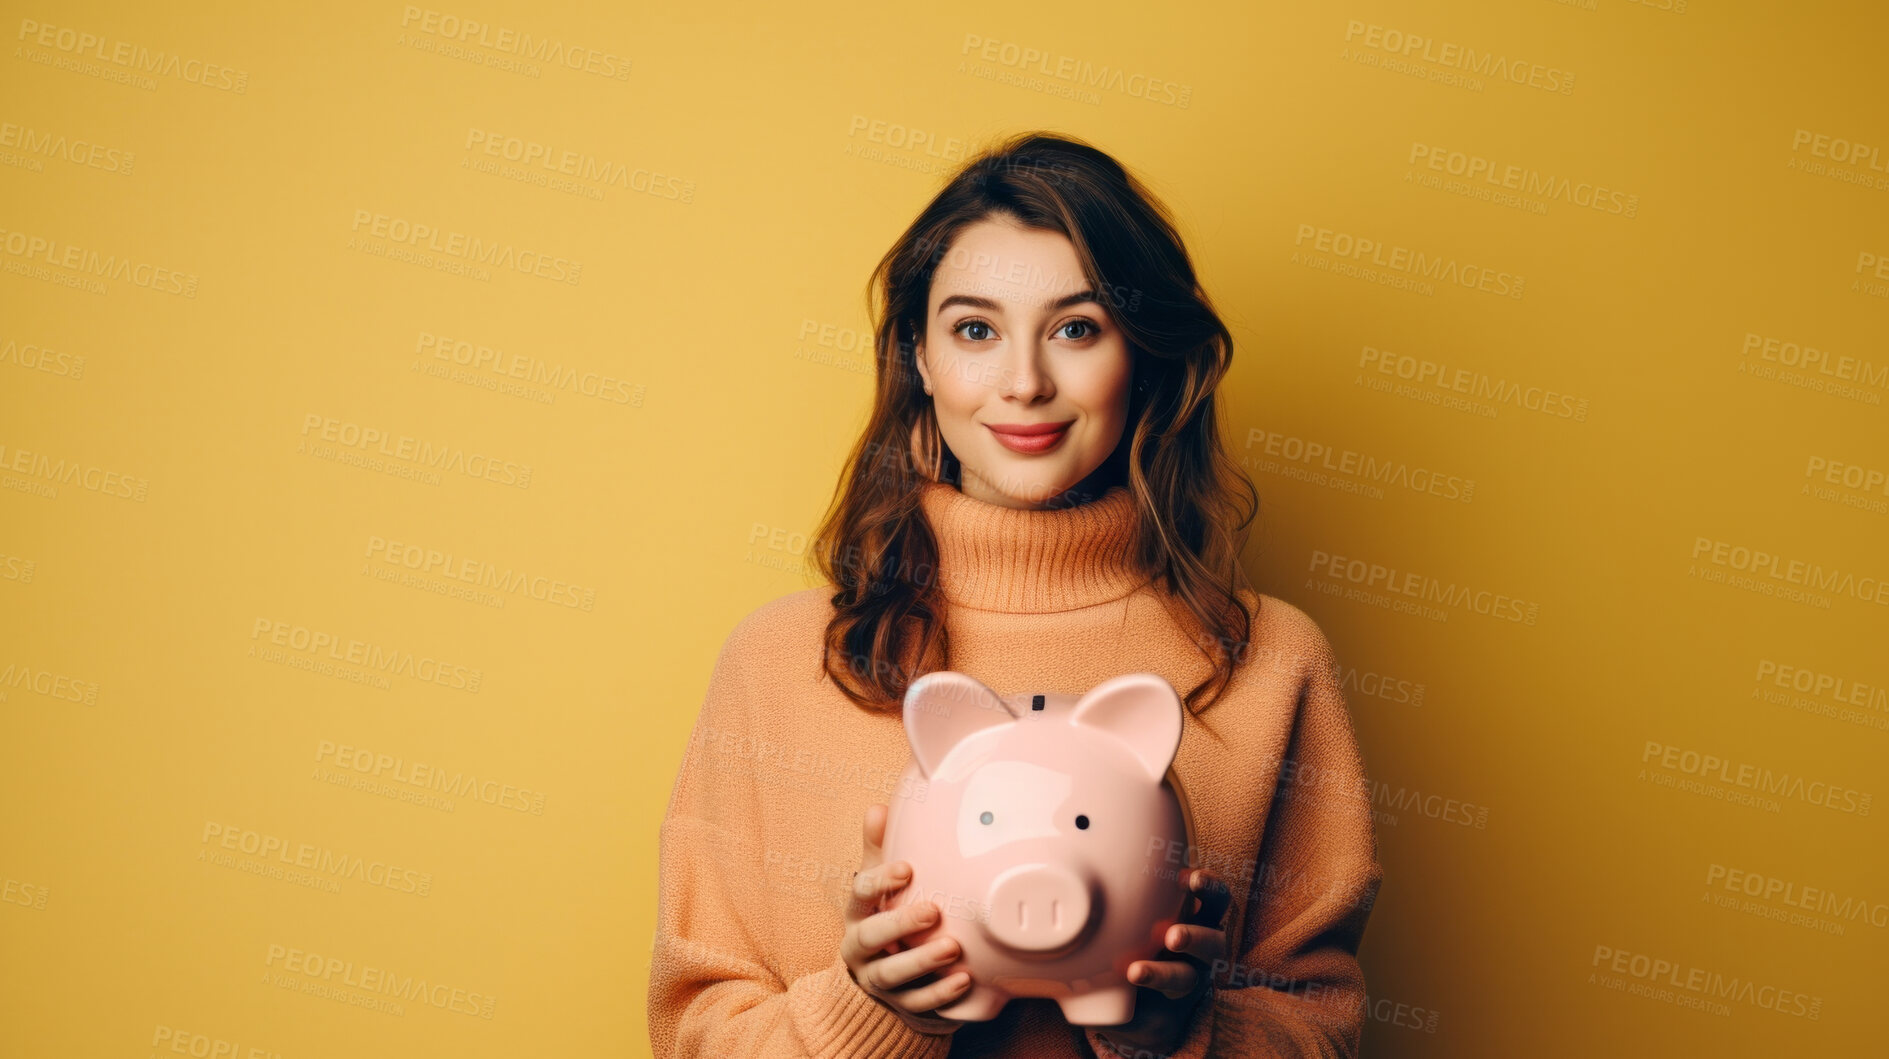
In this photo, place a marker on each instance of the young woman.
(1041, 500)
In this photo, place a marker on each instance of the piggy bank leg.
(1103, 1007)
(981, 1004)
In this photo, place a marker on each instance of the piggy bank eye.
(1082, 823)
(984, 817)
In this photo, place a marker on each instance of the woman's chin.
(1021, 482)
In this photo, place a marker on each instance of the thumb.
(872, 846)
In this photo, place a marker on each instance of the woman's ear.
(918, 359)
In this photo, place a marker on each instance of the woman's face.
(1014, 343)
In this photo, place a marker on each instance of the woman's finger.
(1213, 894)
(872, 884)
(920, 999)
(1192, 939)
(895, 971)
(882, 928)
(1174, 978)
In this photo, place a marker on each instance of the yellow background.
(752, 166)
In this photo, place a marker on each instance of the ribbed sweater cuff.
(839, 1020)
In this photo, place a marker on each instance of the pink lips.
(1030, 438)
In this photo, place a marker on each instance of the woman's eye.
(966, 327)
(1087, 329)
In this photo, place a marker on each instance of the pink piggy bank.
(1044, 837)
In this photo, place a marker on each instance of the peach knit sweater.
(763, 826)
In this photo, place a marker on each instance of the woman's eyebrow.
(976, 302)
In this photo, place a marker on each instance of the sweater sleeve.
(713, 992)
(1293, 986)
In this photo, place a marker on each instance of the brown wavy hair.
(1194, 502)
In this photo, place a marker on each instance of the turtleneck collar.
(1032, 561)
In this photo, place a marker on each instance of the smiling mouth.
(1031, 438)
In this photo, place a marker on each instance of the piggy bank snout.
(1038, 908)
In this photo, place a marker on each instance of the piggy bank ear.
(1140, 709)
(942, 708)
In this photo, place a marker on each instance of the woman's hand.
(1172, 988)
(869, 934)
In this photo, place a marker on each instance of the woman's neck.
(1091, 488)
(1033, 560)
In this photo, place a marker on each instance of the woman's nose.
(1024, 375)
